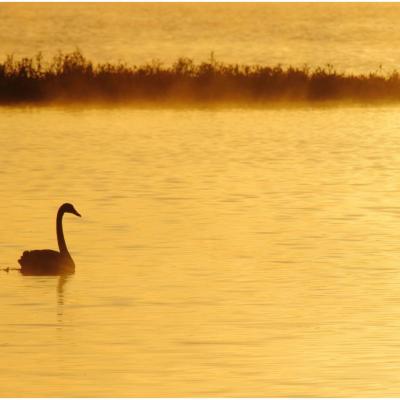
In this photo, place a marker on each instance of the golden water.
(221, 252)
(353, 37)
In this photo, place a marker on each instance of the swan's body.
(46, 262)
(50, 262)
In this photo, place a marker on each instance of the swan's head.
(69, 208)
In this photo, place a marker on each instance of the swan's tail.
(8, 269)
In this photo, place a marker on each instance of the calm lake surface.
(225, 252)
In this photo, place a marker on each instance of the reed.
(72, 78)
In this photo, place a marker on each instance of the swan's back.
(45, 262)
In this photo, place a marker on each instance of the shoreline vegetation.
(71, 78)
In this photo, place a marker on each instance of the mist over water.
(220, 252)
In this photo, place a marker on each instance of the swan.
(50, 262)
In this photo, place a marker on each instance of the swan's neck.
(60, 234)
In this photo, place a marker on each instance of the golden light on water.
(223, 251)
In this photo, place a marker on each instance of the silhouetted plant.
(71, 77)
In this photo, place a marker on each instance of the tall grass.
(73, 78)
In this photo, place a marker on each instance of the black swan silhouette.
(50, 262)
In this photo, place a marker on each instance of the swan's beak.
(77, 214)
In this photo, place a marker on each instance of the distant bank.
(72, 78)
